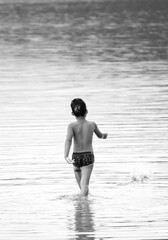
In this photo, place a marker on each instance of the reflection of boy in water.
(84, 220)
(82, 133)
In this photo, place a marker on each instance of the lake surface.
(114, 55)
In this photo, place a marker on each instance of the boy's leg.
(84, 183)
(77, 172)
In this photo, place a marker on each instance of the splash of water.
(141, 174)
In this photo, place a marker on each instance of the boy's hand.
(104, 135)
(70, 161)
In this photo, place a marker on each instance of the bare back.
(83, 133)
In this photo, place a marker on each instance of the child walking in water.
(81, 132)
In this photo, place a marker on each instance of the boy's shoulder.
(72, 124)
(93, 124)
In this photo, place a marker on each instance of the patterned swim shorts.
(82, 159)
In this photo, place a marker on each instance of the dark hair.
(78, 107)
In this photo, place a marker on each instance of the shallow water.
(114, 56)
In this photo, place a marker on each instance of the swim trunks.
(82, 159)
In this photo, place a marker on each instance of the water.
(113, 54)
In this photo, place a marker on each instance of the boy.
(82, 133)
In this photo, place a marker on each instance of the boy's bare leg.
(77, 172)
(84, 183)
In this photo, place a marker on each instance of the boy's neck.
(80, 119)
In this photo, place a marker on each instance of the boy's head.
(78, 107)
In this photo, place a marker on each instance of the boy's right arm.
(68, 141)
(98, 133)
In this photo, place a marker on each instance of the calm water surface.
(113, 54)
